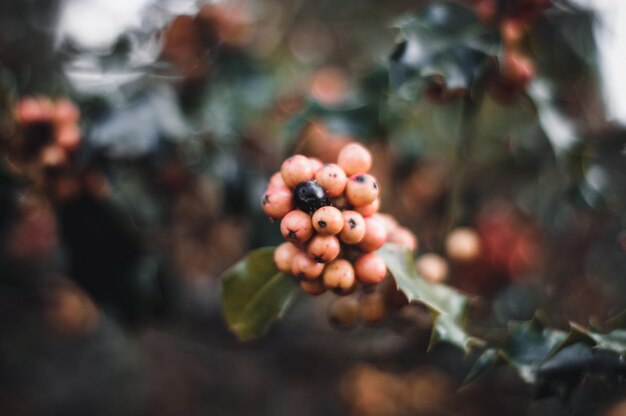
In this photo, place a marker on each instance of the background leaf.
(255, 293)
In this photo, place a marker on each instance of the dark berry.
(309, 196)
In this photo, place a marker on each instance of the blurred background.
(138, 137)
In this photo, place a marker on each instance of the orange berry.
(463, 245)
(313, 287)
(369, 209)
(339, 274)
(276, 181)
(277, 202)
(354, 159)
(324, 248)
(370, 269)
(304, 267)
(372, 308)
(375, 235)
(316, 164)
(327, 220)
(332, 178)
(283, 256)
(361, 190)
(432, 267)
(296, 227)
(296, 169)
(404, 237)
(353, 227)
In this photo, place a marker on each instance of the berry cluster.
(329, 216)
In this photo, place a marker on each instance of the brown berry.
(339, 275)
(370, 269)
(323, 248)
(354, 159)
(327, 220)
(361, 190)
(353, 227)
(296, 227)
(333, 179)
(277, 202)
(296, 169)
(343, 312)
(372, 308)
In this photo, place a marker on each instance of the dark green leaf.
(487, 360)
(528, 345)
(612, 341)
(255, 293)
(447, 305)
(444, 47)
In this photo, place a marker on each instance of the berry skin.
(369, 209)
(353, 227)
(517, 69)
(354, 159)
(316, 164)
(328, 221)
(339, 275)
(361, 190)
(296, 169)
(304, 267)
(432, 267)
(283, 256)
(276, 181)
(343, 312)
(323, 248)
(463, 245)
(404, 237)
(372, 308)
(309, 196)
(296, 227)
(313, 287)
(370, 269)
(375, 235)
(277, 202)
(333, 179)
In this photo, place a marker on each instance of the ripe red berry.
(277, 202)
(324, 248)
(327, 221)
(283, 256)
(339, 274)
(370, 269)
(304, 267)
(333, 179)
(361, 190)
(354, 159)
(375, 235)
(353, 227)
(296, 227)
(296, 169)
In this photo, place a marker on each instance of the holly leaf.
(487, 360)
(611, 341)
(528, 345)
(447, 305)
(444, 47)
(254, 294)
